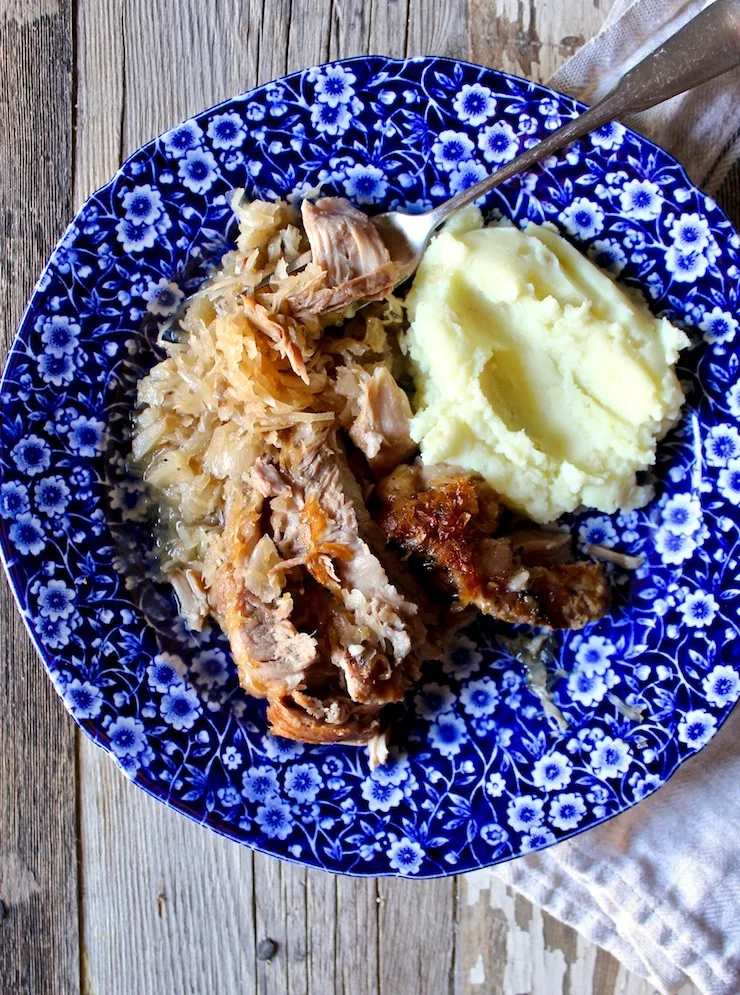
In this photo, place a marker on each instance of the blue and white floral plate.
(482, 775)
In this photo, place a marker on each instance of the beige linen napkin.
(659, 886)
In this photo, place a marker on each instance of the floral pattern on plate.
(483, 774)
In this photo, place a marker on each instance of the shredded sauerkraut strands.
(242, 371)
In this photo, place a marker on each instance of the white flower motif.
(593, 656)
(303, 782)
(697, 728)
(674, 547)
(685, 267)
(210, 668)
(27, 535)
(462, 659)
(733, 399)
(721, 445)
(395, 770)
(451, 148)
(334, 85)
(582, 219)
(274, 818)
(597, 531)
(608, 255)
(610, 758)
(466, 175)
(718, 325)
(181, 139)
(682, 514)
(143, 205)
(198, 170)
(366, 184)
(690, 233)
(434, 699)
(480, 697)
(127, 736)
(699, 609)
(722, 685)
(227, 131)
(448, 734)
(566, 811)
(180, 707)
(609, 136)
(641, 199)
(381, 797)
(259, 783)
(495, 785)
(406, 856)
(550, 110)
(474, 104)
(164, 297)
(525, 813)
(590, 688)
(536, 840)
(498, 142)
(135, 238)
(84, 700)
(643, 786)
(552, 772)
(332, 120)
(56, 600)
(729, 481)
(232, 758)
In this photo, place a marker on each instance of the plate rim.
(11, 572)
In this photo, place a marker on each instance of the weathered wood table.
(105, 891)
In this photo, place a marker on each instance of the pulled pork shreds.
(263, 515)
(346, 245)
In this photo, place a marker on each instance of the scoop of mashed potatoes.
(536, 370)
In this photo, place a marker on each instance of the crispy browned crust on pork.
(452, 523)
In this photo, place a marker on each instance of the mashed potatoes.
(535, 369)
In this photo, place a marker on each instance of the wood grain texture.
(531, 38)
(166, 906)
(38, 879)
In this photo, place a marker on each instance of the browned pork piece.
(451, 520)
(346, 245)
(316, 625)
(381, 429)
(282, 332)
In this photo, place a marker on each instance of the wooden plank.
(506, 945)
(182, 898)
(328, 932)
(416, 936)
(357, 937)
(529, 38)
(438, 27)
(38, 859)
(168, 905)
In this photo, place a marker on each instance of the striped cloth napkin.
(659, 885)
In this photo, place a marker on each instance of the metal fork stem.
(707, 46)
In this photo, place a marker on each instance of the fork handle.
(707, 46)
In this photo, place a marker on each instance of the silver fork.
(707, 46)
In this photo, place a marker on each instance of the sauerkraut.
(239, 370)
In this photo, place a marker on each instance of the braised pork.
(346, 245)
(381, 429)
(452, 523)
